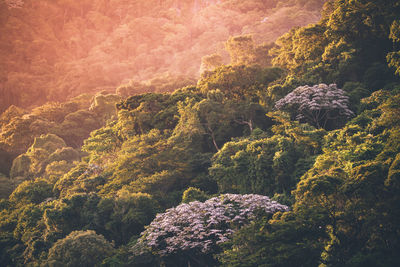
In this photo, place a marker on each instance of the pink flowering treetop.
(195, 229)
(323, 106)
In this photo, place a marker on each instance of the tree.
(45, 150)
(210, 62)
(77, 126)
(213, 119)
(350, 38)
(7, 186)
(189, 234)
(103, 142)
(193, 194)
(241, 50)
(104, 105)
(266, 165)
(288, 239)
(126, 216)
(80, 248)
(393, 58)
(323, 106)
(239, 82)
(34, 192)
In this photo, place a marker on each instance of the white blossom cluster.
(310, 100)
(199, 226)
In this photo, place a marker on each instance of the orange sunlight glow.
(51, 50)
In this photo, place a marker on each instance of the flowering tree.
(191, 232)
(317, 105)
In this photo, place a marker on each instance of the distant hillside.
(53, 50)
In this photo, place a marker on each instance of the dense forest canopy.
(200, 133)
(54, 50)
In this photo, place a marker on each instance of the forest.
(195, 133)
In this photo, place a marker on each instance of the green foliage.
(161, 83)
(286, 240)
(348, 182)
(104, 105)
(44, 123)
(103, 142)
(264, 165)
(83, 176)
(142, 113)
(345, 211)
(80, 248)
(240, 81)
(279, 89)
(117, 218)
(209, 120)
(393, 58)
(65, 153)
(21, 166)
(210, 62)
(128, 216)
(356, 91)
(72, 213)
(49, 142)
(7, 243)
(34, 192)
(97, 44)
(79, 172)
(11, 112)
(46, 150)
(77, 126)
(193, 194)
(6, 186)
(241, 50)
(348, 44)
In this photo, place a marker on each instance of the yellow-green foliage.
(46, 149)
(80, 248)
(65, 153)
(193, 194)
(48, 142)
(10, 113)
(34, 192)
(267, 164)
(105, 105)
(56, 169)
(20, 166)
(212, 138)
(6, 186)
(241, 49)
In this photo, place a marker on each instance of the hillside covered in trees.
(54, 50)
(233, 140)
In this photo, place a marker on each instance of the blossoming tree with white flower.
(189, 234)
(318, 105)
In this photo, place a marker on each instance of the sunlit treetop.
(317, 104)
(200, 226)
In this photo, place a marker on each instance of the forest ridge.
(54, 50)
(279, 146)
